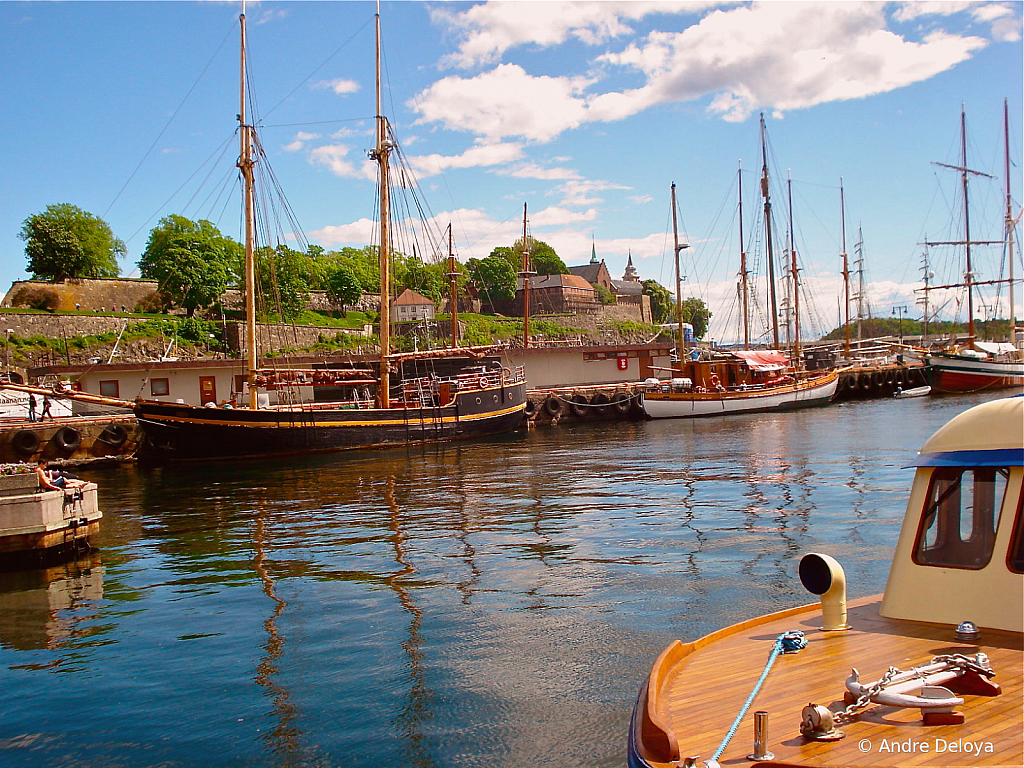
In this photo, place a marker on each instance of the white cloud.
(780, 56)
(300, 141)
(357, 233)
(554, 216)
(776, 56)
(488, 30)
(474, 157)
(534, 171)
(580, 193)
(332, 156)
(339, 85)
(504, 102)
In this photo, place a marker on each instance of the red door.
(207, 389)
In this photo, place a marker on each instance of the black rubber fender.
(67, 439)
(621, 402)
(578, 405)
(25, 442)
(114, 435)
(530, 409)
(553, 406)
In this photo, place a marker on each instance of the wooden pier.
(873, 381)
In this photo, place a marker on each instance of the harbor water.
(495, 603)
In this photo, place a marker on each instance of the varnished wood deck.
(701, 687)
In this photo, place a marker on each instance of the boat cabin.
(960, 554)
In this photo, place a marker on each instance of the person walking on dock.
(31, 407)
(46, 409)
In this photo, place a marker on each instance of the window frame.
(166, 385)
(117, 388)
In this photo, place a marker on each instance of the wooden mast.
(768, 234)
(453, 296)
(381, 154)
(1009, 222)
(795, 273)
(245, 164)
(846, 272)
(679, 296)
(969, 274)
(744, 284)
(526, 272)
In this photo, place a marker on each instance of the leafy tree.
(362, 262)
(191, 261)
(66, 242)
(661, 300)
(697, 314)
(495, 276)
(283, 278)
(343, 287)
(604, 296)
(426, 279)
(543, 259)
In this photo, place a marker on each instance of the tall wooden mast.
(969, 274)
(525, 273)
(773, 306)
(453, 290)
(245, 165)
(381, 154)
(795, 274)
(744, 284)
(846, 272)
(1009, 222)
(677, 247)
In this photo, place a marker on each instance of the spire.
(630, 275)
(593, 251)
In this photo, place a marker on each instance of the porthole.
(495, 398)
(478, 401)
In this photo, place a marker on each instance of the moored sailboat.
(979, 365)
(456, 393)
(711, 383)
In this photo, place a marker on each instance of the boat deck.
(696, 690)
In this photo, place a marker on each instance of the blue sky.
(585, 111)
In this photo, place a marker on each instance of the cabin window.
(109, 389)
(958, 527)
(158, 387)
(1015, 559)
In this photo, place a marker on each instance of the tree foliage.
(696, 313)
(661, 301)
(65, 242)
(191, 261)
(495, 276)
(343, 287)
(543, 259)
(284, 277)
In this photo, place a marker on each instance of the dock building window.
(109, 389)
(158, 387)
(958, 527)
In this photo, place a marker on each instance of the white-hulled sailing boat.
(465, 395)
(717, 383)
(979, 365)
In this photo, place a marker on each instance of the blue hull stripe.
(1002, 457)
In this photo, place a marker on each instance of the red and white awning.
(764, 360)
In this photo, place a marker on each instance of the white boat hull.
(800, 394)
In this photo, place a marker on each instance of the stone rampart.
(87, 295)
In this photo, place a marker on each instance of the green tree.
(342, 287)
(362, 262)
(495, 276)
(604, 296)
(66, 242)
(283, 278)
(661, 301)
(191, 261)
(697, 314)
(426, 279)
(543, 259)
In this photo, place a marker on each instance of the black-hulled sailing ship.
(449, 394)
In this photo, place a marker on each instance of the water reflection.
(44, 609)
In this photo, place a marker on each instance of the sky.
(586, 112)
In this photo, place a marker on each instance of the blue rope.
(787, 642)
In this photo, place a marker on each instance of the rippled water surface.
(483, 604)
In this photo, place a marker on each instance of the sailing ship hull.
(805, 393)
(957, 373)
(175, 432)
